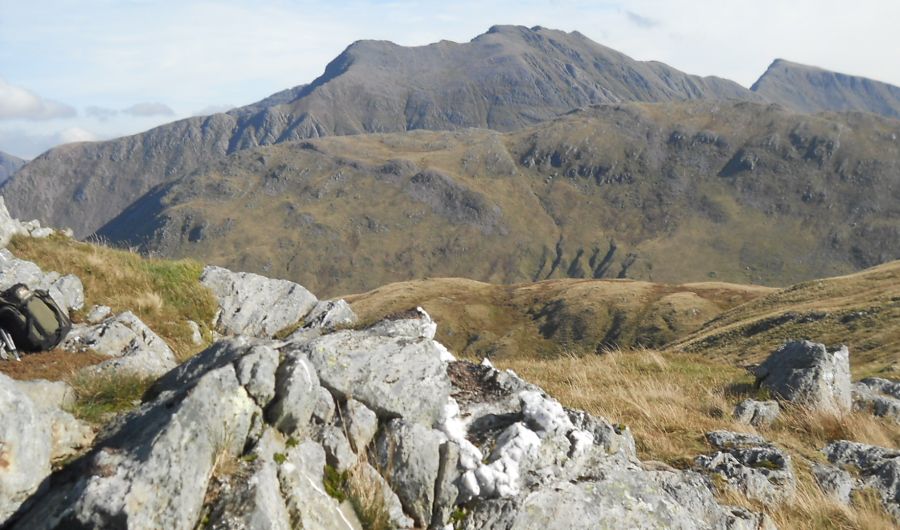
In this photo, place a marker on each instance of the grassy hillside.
(860, 310)
(673, 193)
(555, 317)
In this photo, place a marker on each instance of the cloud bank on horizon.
(98, 69)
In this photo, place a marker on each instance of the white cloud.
(17, 103)
(640, 20)
(149, 109)
(101, 113)
(212, 109)
(27, 144)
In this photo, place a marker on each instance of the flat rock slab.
(250, 304)
(393, 376)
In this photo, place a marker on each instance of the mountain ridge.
(504, 79)
(812, 89)
(758, 194)
(9, 164)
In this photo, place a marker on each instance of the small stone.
(757, 413)
(98, 313)
(807, 373)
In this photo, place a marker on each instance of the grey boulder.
(250, 304)
(393, 376)
(877, 468)
(132, 346)
(878, 396)
(807, 373)
(750, 465)
(67, 291)
(757, 413)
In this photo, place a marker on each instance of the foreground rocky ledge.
(440, 439)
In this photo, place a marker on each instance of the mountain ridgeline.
(505, 79)
(810, 89)
(740, 192)
(525, 154)
(9, 164)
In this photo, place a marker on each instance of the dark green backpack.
(32, 318)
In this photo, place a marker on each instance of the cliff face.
(505, 79)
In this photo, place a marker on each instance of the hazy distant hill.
(505, 79)
(810, 89)
(9, 164)
(739, 192)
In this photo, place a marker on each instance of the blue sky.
(95, 69)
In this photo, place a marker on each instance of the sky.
(85, 70)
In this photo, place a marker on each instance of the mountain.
(9, 164)
(739, 192)
(505, 79)
(810, 89)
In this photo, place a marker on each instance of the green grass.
(98, 397)
(165, 294)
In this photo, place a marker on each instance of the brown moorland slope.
(687, 192)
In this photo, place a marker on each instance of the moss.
(279, 458)
(335, 483)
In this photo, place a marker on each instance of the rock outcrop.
(807, 373)
(67, 291)
(751, 465)
(254, 432)
(130, 344)
(875, 467)
(34, 432)
(10, 227)
(253, 305)
(879, 396)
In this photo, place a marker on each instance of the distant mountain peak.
(808, 88)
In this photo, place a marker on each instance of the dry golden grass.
(861, 310)
(541, 319)
(162, 293)
(669, 401)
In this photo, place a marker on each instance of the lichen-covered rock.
(878, 468)
(253, 498)
(338, 453)
(98, 313)
(250, 304)
(409, 456)
(757, 413)
(300, 471)
(878, 396)
(360, 422)
(750, 465)
(834, 481)
(152, 471)
(133, 346)
(807, 373)
(394, 376)
(296, 394)
(326, 316)
(25, 446)
(9, 226)
(67, 291)
(414, 324)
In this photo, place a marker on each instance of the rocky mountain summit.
(505, 79)
(810, 89)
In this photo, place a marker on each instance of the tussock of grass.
(99, 396)
(363, 492)
(162, 293)
(670, 401)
